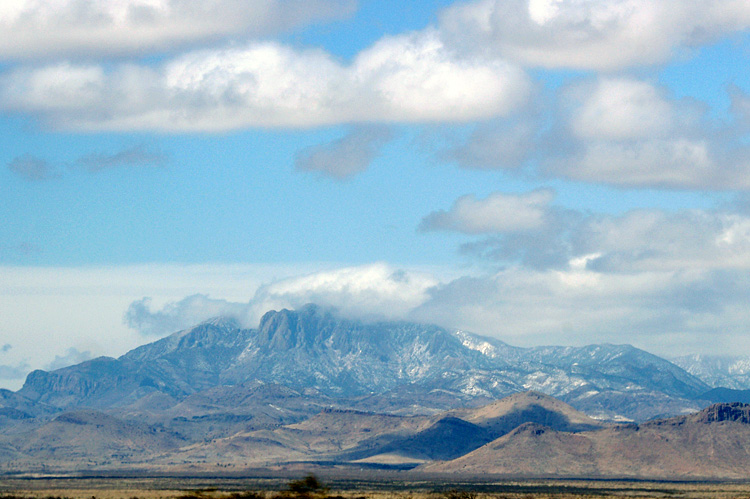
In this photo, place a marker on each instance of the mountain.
(718, 371)
(339, 437)
(526, 434)
(726, 395)
(457, 432)
(393, 366)
(502, 416)
(349, 437)
(713, 443)
(310, 388)
(84, 439)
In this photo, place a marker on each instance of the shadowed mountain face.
(394, 366)
(551, 439)
(713, 443)
(726, 395)
(458, 432)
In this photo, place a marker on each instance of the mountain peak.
(734, 411)
(222, 322)
(314, 348)
(286, 329)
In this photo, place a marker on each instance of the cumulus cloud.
(620, 131)
(667, 281)
(65, 28)
(377, 291)
(662, 311)
(406, 78)
(590, 34)
(346, 156)
(695, 304)
(620, 108)
(175, 316)
(374, 291)
(631, 133)
(32, 168)
(498, 212)
(661, 280)
(648, 240)
(71, 357)
(526, 229)
(676, 164)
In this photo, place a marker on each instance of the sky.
(541, 171)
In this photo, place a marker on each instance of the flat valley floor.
(379, 486)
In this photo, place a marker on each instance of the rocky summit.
(387, 366)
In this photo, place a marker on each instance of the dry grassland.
(234, 488)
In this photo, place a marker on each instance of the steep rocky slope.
(713, 443)
(415, 368)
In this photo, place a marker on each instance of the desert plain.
(365, 485)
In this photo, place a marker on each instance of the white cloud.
(498, 212)
(416, 78)
(630, 133)
(376, 291)
(407, 78)
(346, 156)
(590, 34)
(80, 28)
(525, 229)
(652, 240)
(662, 311)
(59, 87)
(689, 293)
(619, 131)
(370, 291)
(620, 109)
(694, 306)
(45, 311)
(175, 316)
(670, 163)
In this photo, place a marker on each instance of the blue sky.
(542, 171)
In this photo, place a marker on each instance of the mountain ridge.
(712, 443)
(312, 348)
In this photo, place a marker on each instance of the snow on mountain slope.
(312, 348)
(718, 371)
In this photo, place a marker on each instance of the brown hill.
(321, 437)
(455, 433)
(506, 414)
(353, 436)
(712, 443)
(87, 438)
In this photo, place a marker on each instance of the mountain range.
(731, 372)
(308, 385)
